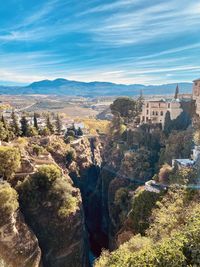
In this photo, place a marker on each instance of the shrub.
(10, 161)
(47, 185)
(68, 139)
(142, 205)
(8, 202)
(37, 150)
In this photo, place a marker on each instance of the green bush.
(173, 238)
(10, 161)
(8, 202)
(37, 150)
(142, 204)
(47, 185)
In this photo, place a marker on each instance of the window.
(168, 105)
(153, 113)
(147, 111)
(156, 113)
(147, 105)
(161, 113)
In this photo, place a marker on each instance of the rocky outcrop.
(18, 244)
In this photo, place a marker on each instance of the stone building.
(155, 110)
(196, 94)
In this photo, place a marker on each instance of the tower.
(176, 92)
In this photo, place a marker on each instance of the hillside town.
(154, 109)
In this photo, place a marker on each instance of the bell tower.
(176, 92)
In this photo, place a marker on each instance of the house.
(183, 163)
(188, 163)
(196, 94)
(154, 110)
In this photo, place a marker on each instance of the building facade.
(196, 94)
(155, 110)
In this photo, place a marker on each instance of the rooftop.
(185, 162)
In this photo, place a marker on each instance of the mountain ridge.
(62, 86)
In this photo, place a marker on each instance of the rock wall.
(18, 244)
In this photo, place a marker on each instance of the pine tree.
(3, 120)
(35, 123)
(167, 123)
(24, 126)
(49, 124)
(3, 132)
(15, 125)
(58, 124)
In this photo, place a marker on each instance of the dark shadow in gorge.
(89, 184)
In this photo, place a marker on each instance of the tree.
(3, 132)
(164, 173)
(15, 125)
(167, 123)
(47, 192)
(136, 166)
(68, 139)
(126, 108)
(58, 124)
(10, 161)
(8, 202)
(46, 175)
(3, 120)
(71, 133)
(45, 131)
(24, 126)
(79, 132)
(35, 123)
(32, 131)
(142, 205)
(177, 146)
(49, 124)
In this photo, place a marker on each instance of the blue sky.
(122, 41)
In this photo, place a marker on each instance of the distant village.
(153, 110)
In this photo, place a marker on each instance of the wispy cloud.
(121, 40)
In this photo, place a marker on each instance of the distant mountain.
(92, 89)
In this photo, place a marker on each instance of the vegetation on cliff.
(47, 185)
(9, 161)
(171, 240)
(8, 202)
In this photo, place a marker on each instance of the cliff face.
(63, 241)
(18, 244)
(53, 209)
(53, 212)
(84, 170)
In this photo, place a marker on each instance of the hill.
(92, 89)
